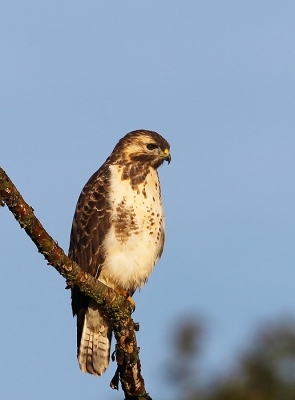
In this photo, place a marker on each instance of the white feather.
(94, 349)
(128, 264)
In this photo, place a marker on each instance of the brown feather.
(94, 218)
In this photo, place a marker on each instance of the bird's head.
(143, 146)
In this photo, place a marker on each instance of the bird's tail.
(95, 343)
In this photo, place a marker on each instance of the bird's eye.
(151, 146)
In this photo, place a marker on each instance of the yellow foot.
(125, 294)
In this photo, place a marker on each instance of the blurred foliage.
(264, 371)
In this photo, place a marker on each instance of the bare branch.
(117, 307)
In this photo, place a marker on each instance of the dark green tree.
(265, 371)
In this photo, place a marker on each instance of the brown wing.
(90, 225)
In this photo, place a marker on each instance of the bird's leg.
(125, 294)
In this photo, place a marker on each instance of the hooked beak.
(167, 156)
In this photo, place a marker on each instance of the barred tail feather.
(95, 344)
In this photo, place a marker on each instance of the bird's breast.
(135, 240)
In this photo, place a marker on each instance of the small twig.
(117, 307)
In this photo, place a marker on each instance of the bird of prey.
(117, 235)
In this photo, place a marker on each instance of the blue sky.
(216, 79)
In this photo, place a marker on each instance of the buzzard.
(117, 235)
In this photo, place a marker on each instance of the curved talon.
(126, 294)
(131, 301)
